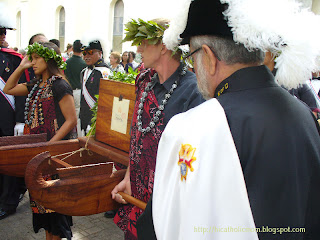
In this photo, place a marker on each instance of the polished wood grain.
(80, 190)
(25, 139)
(107, 91)
(128, 198)
(14, 158)
(111, 153)
(85, 182)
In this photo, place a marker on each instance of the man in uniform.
(245, 164)
(164, 89)
(11, 120)
(90, 80)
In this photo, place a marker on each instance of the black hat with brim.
(93, 45)
(206, 17)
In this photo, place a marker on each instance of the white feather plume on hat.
(92, 34)
(6, 20)
(171, 36)
(280, 26)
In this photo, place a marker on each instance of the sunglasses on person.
(3, 31)
(89, 52)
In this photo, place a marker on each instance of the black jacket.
(8, 117)
(278, 143)
(92, 85)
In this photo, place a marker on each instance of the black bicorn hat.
(206, 17)
(95, 44)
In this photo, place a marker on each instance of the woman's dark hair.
(133, 55)
(122, 56)
(31, 41)
(52, 66)
(55, 41)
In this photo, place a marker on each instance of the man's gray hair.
(227, 50)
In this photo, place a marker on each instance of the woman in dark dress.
(49, 109)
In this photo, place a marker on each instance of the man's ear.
(164, 49)
(209, 60)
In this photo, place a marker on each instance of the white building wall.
(85, 18)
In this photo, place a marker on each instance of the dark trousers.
(10, 187)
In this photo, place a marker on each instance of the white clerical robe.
(199, 188)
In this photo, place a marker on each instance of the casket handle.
(140, 204)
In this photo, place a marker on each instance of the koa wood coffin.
(16, 151)
(84, 184)
(115, 112)
(83, 187)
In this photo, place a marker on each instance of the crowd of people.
(77, 59)
(222, 144)
(50, 95)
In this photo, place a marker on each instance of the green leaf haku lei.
(47, 54)
(139, 30)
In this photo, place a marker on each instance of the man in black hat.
(11, 120)
(75, 65)
(243, 165)
(90, 80)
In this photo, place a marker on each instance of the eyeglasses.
(3, 31)
(89, 52)
(190, 60)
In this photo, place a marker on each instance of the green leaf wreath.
(46, 53)
(139, 30)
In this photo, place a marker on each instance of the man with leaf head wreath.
(164, 89)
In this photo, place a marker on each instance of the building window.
(19, 29)
(118, 26)
(62, 25)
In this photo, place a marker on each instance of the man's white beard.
(202, 83)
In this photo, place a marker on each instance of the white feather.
(278, 26)
(177, 25)
(91, 35)
(6, 19)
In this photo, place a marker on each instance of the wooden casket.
(16, 151)
(84, 185)
(115, 112)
